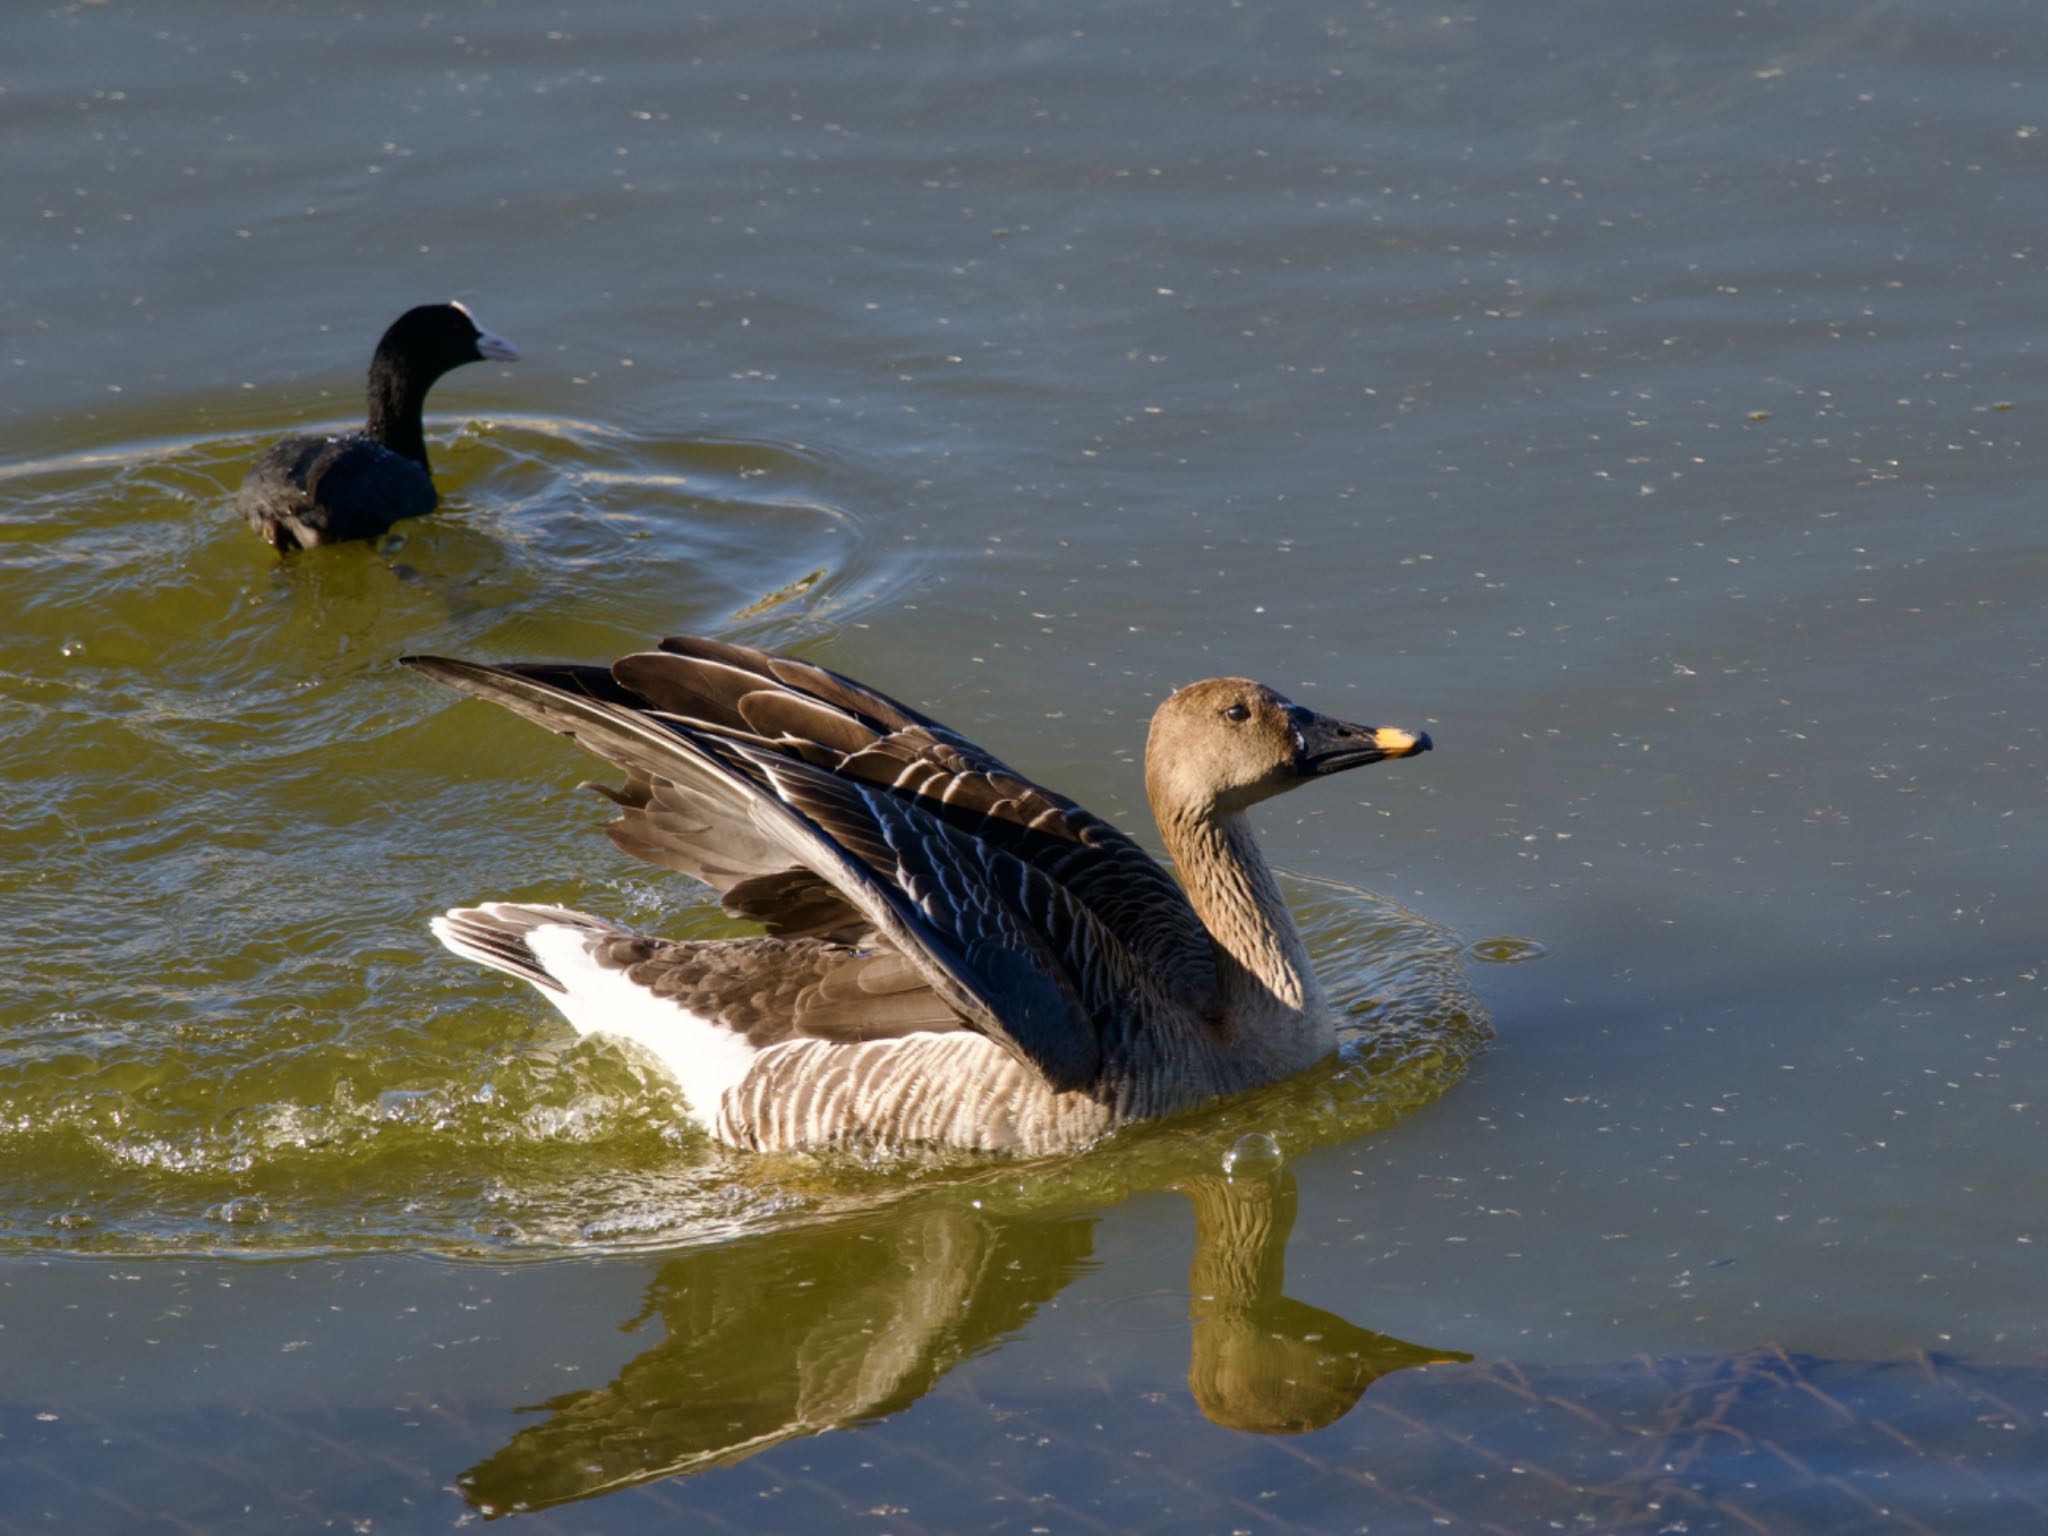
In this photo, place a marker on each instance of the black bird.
(303, 491)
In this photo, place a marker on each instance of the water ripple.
(231, 814)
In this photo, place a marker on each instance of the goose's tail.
(496, 934)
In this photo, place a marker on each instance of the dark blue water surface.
(1641, 399)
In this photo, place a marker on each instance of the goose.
(303, 491)
(954, 957)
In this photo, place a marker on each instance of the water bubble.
(242, 1211)
(1252, 1155)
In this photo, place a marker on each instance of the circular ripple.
(1506, 951)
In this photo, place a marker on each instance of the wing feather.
(994, 937)
(816, 716)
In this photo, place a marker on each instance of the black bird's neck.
(398, 393)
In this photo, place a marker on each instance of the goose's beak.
(1324, 745)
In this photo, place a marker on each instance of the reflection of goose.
(1261, 1361)
(955, 955)
(825, 1325)
(785, 1336)
(303, 491)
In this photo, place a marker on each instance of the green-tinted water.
(1641, 400)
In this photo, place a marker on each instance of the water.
(1639, 399)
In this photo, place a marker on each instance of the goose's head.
(1227, 743)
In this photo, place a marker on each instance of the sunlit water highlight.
(235, 1034)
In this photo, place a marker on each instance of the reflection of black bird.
(832, 1324)
(303, 491)
(1261, 1361)
(789, 1335)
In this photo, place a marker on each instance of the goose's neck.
(1241, 1228)
(1262, 969)
(397, 397)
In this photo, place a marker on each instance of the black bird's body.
(303, 491)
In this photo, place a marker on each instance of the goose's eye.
(1237, 714)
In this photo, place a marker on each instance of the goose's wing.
(671, 823)
(1000, 941)
(800, 711)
